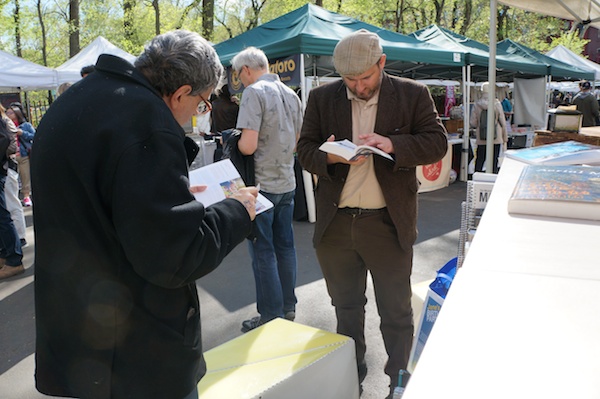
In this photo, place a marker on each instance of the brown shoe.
(9, 271)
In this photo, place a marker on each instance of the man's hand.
(198, 189)
(378, 141)
(247, 196)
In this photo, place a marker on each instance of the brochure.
(222, 180)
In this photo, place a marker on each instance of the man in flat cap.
(367, 208)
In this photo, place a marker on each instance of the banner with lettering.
(288, 69)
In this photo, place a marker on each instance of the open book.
(350, 151)
(222, 180)
(561, 153)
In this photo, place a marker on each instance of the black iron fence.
(37, 109)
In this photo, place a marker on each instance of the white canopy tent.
(584, 12)
(70, 70)
(561, 53)
(22, 75)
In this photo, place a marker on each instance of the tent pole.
(464, 154)
(491, 123)
(307, 178)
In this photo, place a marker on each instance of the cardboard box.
(282, 359)
(564, 120)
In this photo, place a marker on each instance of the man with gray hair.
(270, 119)
(120, 240)
(367, 208)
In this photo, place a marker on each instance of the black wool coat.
(120, 241)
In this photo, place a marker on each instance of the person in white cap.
(367, 209)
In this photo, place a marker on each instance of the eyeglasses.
(205, 106)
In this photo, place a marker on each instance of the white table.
(522, 317)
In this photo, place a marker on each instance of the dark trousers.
(480, 160)
(351, 246)
(9, 240)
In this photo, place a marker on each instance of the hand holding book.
(351, 152)
(217, 181)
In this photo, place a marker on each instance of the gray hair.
(251, 57)
(179, 58)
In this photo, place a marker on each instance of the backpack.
(483, 124)
(243, 163)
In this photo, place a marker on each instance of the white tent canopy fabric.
(585, 12)
(561, 53)
(70, 70)
(19, 74)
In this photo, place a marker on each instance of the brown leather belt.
(359, 211)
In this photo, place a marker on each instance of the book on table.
(350, 151)
(222, 180)
(562, 153)
(567, 191)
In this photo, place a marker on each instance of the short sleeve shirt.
(275, 112)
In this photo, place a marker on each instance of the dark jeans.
(9, 241)
(274, 258)
(351, 246)
(481, 152)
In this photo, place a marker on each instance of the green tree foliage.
(130, 23)
(570, 40)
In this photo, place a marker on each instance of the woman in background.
(25, 134)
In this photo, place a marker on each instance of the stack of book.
(561, 180)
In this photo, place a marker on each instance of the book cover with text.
(562, 153)
(557, 191)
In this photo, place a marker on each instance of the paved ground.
(227, 296)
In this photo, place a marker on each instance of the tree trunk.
(128, 20)
(208, 16)
(467, 17)
(439, 8)
(503, 21)
(44, 43)
(17, 17)
(156, 7)
(73, 27)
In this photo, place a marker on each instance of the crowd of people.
(115, 281)
(16, 139)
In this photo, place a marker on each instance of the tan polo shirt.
(362, 189)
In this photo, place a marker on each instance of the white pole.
(306, 176)
(491, 122)
(464, 154)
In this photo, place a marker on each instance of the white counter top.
(522, 318)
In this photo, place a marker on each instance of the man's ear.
(174, 100)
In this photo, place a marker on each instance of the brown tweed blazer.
(406, 114)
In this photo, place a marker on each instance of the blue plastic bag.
(444, 278)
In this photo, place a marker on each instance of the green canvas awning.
(312, 30)
(508, 66)
(557, 69)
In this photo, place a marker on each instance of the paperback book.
(562, 153)
(350, 151)
(566, 191)
(222, 180)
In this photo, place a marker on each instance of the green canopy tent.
(477, 55)
(555, 69)
(313, 31)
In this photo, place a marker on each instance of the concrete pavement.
(227, 296)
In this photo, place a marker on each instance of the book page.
(350, 151)
(222, 180)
